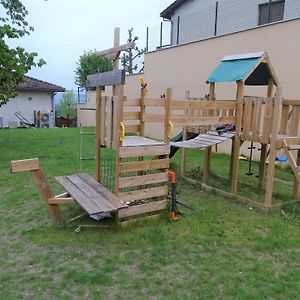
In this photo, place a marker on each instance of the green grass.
(222, 251)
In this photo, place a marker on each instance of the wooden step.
(294, 147)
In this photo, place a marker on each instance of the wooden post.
(207, 155)
(116, 60)
(167, 114)
(98, 135)
(296, 188)
(46, 193)
(237, 140)
(262, 164)
(184, 137)
(272, 156)
(263, 153)
(142, 113)
(119, 116)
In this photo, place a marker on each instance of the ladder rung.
(87, 158)
(294, 147)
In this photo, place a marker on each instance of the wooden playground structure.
(141, 163)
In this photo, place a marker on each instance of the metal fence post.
(147, 39)
(216, 18)
(161, 34)
(269, 11)
(178, 27)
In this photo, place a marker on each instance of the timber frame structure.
(141, 163)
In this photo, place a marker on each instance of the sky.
(64, 29)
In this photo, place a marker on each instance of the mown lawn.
(221, 251)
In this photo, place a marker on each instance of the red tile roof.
(33, 84)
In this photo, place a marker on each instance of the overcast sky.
(64, 29)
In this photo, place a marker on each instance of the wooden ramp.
(209, 139)
(89, 194)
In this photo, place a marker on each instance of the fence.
(222, 17)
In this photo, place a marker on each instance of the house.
(34, 105)
(193, 20)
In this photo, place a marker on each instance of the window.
(276, 13)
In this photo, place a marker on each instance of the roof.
(33, 84)
(253, 68)
(168, 12)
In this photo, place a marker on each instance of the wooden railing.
(290, 118)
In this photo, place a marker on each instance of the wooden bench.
(89, 194)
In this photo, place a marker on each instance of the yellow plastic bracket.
(171, 130)
(122, 125)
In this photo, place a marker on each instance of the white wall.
(41, 101)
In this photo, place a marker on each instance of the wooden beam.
(144, 165)
(237, 140)
(115, 49)
(142, 209)
(144, 151)
(133, 181)
(59, 201)
(273, 151)
(24, 165)
(46, 193)
(98, 135)
(167, 115)
(110, 78)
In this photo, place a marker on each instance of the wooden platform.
(134, 141)
(89, 194)
(209, 139)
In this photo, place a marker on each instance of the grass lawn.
(222, 251)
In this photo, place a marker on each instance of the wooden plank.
(115, 49)
(133, 181)
(46, 193)
(100, 189)
(116, 122)
(143, 111)
(109, 122)
(144, 151)
(103, 120)
(95, 200)
(167, 115)
(284, 119)
(256, 119)
(217, 104)
(267, 120)
(292, 161)
(131, 115)
(132, 128)
(199, 120)
(110, 78)
(294, 124)
(151, 118)
(144, 194)
(90, 201)
(98, 135)
(248, 122)
(59, 201)
(132, 102)
(142, 209)
(144, 165)
(291, 102)
(24, 165)
(154, 102)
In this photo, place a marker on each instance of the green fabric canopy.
(232, 70)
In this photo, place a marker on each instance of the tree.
(90, 63)
(68, 105)
(127, 60)
(14, 62)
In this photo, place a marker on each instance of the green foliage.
(90, 63)
(14, 62)
(130, 55)
(68, 105)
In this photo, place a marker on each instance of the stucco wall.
(40, 101)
